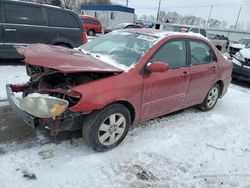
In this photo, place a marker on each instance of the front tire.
(105, 129)
(211, 98)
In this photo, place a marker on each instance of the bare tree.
(214, 23)
(223, 24)
(74, 5)
(97, 2)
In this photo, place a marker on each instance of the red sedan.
(119, 79)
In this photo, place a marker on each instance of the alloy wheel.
(111, 129)
(212, 97)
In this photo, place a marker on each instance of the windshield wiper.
(84, 51)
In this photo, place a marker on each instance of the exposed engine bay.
(58, 84)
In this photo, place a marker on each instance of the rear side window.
(60, 18)
(200, 53)
(90, 21)
(173, 53)
(22, 14)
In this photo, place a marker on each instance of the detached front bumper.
(67, 121)
(27, 118)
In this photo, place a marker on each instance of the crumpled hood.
(63, 59)
(238, 46)
(245, 53)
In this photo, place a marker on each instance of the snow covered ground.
(186, 149)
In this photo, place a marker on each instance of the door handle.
(184, 74)
(10, 30)
(214, 68)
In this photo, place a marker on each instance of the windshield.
(244, 41)
(119, 48)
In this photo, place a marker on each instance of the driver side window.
(173, 53)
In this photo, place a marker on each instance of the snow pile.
(11, 75)
(186, 149)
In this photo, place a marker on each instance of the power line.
(198, 6)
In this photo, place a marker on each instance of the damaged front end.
(47, 98)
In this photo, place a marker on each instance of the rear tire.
(105, 129)
(91, 32)
(211, 98)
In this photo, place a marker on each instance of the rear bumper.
(67, 121)
(27, 118)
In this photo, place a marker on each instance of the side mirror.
(157, 67)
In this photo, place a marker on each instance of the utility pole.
(158, 12)
(235, 27)
(209, 16)
(126, 3)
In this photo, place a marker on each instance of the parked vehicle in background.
(221, 45)
(241, 64)
(25, 23)
(91, 24)
(145, 24)
(184, 28)
(236, 47)
(221, 41)
(122, 26)
(90, 89)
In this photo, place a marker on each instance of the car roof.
(163, 33)
(32, 3)
(183, 25)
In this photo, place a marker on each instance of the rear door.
(65, 27)
(203, 72)
(1, 34)
(24, 24)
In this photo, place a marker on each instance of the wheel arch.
(221, 84)
(128, 105)
(91, 29)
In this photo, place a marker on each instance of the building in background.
(109, 15)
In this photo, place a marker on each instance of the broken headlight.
(43, 106)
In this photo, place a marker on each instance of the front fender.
(100, 93)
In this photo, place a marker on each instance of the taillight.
(84, 37)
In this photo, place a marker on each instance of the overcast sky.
(223, 9)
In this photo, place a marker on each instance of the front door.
(24, 24)
(165, 92)
(203, 72)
